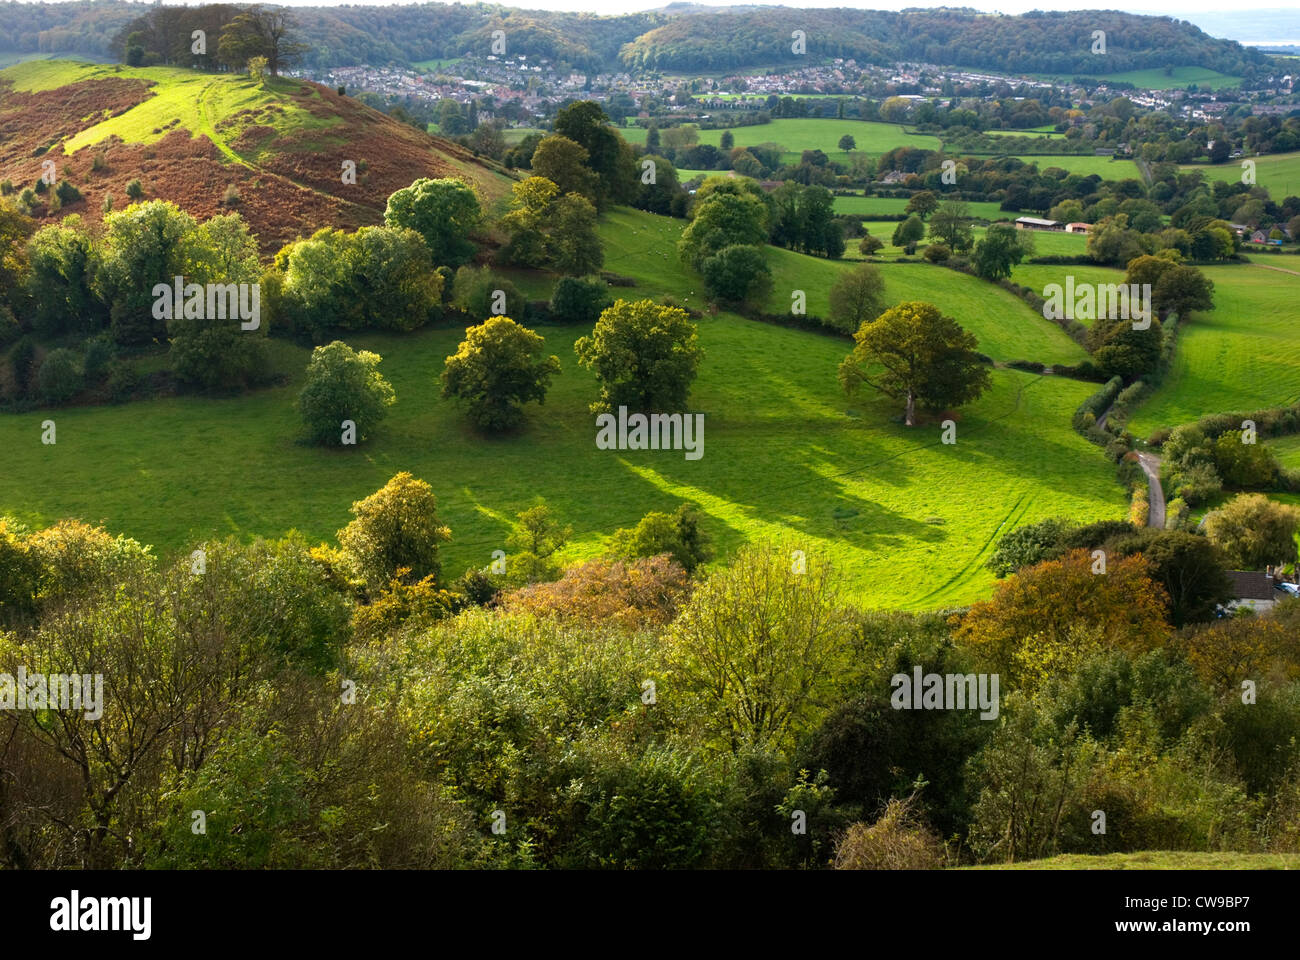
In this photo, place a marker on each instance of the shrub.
(677, 534)
(231, 196)
(394, 534)
(899, 840)
(60, 376)
(938, 252)
(135, 189)
(123, 381)
(632, 594)
(579, 300)
(97, 353)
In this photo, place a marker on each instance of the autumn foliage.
(636, 593)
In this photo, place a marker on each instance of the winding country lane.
(1155, 494)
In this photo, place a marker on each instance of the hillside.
(689, 38)
(190, 137)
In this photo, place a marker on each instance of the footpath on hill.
(1156, 495)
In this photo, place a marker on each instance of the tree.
(479, 292)
(498, 367)
(263, 32)
(1038, 618)
(60, 376)
(737, 274)
(868, 245)
(1028, 545)
(527, 220)
(143, 245)
(443, 212)
(677, 534)
(63, 261)
(912, 352)
(950, 223)
(567, 164)
(342, 384)
(727, 140)
(1187, 565)
(857, 297)
(908, 231)
(536, 537)
(1254, 531)
(922, 203)
(574, 244)
(760, 646)
(723, 220)
(579, 300)
(610, 158)
(645, 357)
(394, 533)
(1181, 289)
(847, 143)
(999, 251)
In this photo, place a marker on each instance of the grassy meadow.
(797, 134)
(787, 457)
(1280, 172)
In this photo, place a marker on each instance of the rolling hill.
(192, 137)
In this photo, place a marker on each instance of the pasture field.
(876, 206)
(1047, 244)
(1279, 172)
(1242, 355)
(1007, 328)
(786, 456)
(514, 135)
(797, 134)
(1036, 276)
(1104, 167)
(1287, 450)
(1046, 133)
(1155, 78)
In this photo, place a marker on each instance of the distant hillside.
(684, 37)
(190, 137)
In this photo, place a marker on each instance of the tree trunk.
(910, 419)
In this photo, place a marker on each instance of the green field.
(1037, 276)
(1044, 133)
(1287, 450)
(799, 134)
(1156, 78)
(787, 457)
(513, 135)
(1242, 355)
(1279, 172)
(869, 207)
(1104, 167)
(1157, 860)
(1007, 328)
(181, 98)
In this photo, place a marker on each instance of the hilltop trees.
(645, 357)
(341, 385)
(261, 32)
(498, 367)
(444, 212)
(913, 353)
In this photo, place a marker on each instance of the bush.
(135, 189)
(579, 300)
(22, 360)
(67, 192)
(60, 376)
(897, 841)
(123, 381)
(938, 252)
(97, 353)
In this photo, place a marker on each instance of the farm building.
(1251, 589)
(1038, 223)
(1078, 227)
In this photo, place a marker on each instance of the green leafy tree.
(63, 261)
(950, 223)
(342, 384)
(261, 32)
(737, 274)
(677, 534)
(533, 542)
(567, 164)
(574, 244)
(723, 220)
(645, 357)
(60, 376)
(908, 231)
(1254, 531)
(579, 300)
(857, 297)
(144, 245)
(999, 251)
(395, 533)
(923, 203)
(911, 352)
(498, 367)
(444, 212)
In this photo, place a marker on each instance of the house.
(1259, 236)
(1078, 227)
(1038, 223)
(895, 176)
(1251, 589)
